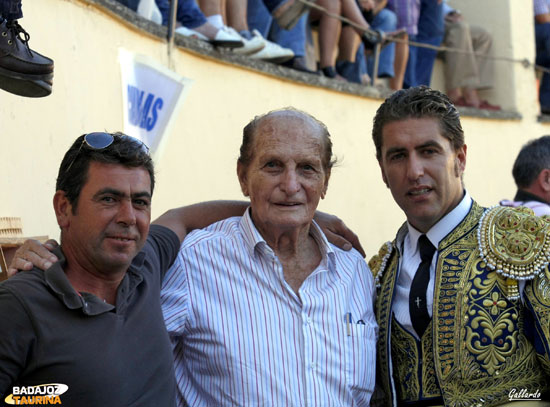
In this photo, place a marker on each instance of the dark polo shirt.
(107, 355)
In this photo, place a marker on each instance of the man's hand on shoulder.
(337, 232)
(33, 254)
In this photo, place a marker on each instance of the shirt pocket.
(360, 344)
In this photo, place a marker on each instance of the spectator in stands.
(430, 32)
(542, 35)
(531, 173)
(466, 73)
(193, 23)
(23, 71)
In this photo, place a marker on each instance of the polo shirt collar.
(57, 280)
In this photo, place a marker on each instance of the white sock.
(216, 20)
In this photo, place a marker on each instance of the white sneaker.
(272, 52)
(251, 46)
(224, 37)
(188, 32)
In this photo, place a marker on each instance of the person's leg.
(407, 12)
(385, 21)
(542, 35)
(258, 17)
(460, 68)
(347, 64)
(329, 31)
(236, 14)
(482, 43)
(189, 15)
(295, 38)
(430, 32)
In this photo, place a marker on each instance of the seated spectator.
(23, 72)
(192, 23)
(542, 36)
(466, 73)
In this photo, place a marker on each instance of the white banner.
(151, 96)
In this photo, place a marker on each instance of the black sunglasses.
(101, 140)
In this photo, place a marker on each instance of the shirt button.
(313, 366)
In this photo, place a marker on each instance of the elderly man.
(531, 173)
(262, 309)
(89, 330)
(453, 328)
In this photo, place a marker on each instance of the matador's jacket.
(485, 343)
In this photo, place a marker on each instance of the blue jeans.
(431, 29)
(11, 9)
(385, 21)
(259, 18)
(542, 37)
(188, 13)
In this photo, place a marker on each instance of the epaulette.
(378, 262)
(515, 243)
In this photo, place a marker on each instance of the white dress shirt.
(242, 337)
(410, 260)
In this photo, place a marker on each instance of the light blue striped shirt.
(242, 337)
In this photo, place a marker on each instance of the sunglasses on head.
(101, 140)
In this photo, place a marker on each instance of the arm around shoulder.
(185, 219)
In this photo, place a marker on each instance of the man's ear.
(63, 209)
(544, 180)
(241, 173)
(461, 160)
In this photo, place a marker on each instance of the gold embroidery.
(514, 242)
(479, 350)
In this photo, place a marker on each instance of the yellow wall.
(198, 162)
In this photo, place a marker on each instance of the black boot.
(23, 71)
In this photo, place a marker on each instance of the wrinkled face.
(112, 217)
(285, 178)
(422, 170)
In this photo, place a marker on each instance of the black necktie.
(418, 306)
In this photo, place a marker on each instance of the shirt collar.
(443, 227)
(57, 280)
(253, 239)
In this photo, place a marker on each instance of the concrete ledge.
(201, 48)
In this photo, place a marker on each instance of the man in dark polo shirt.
(89, 330)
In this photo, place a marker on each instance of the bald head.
(267, 122)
